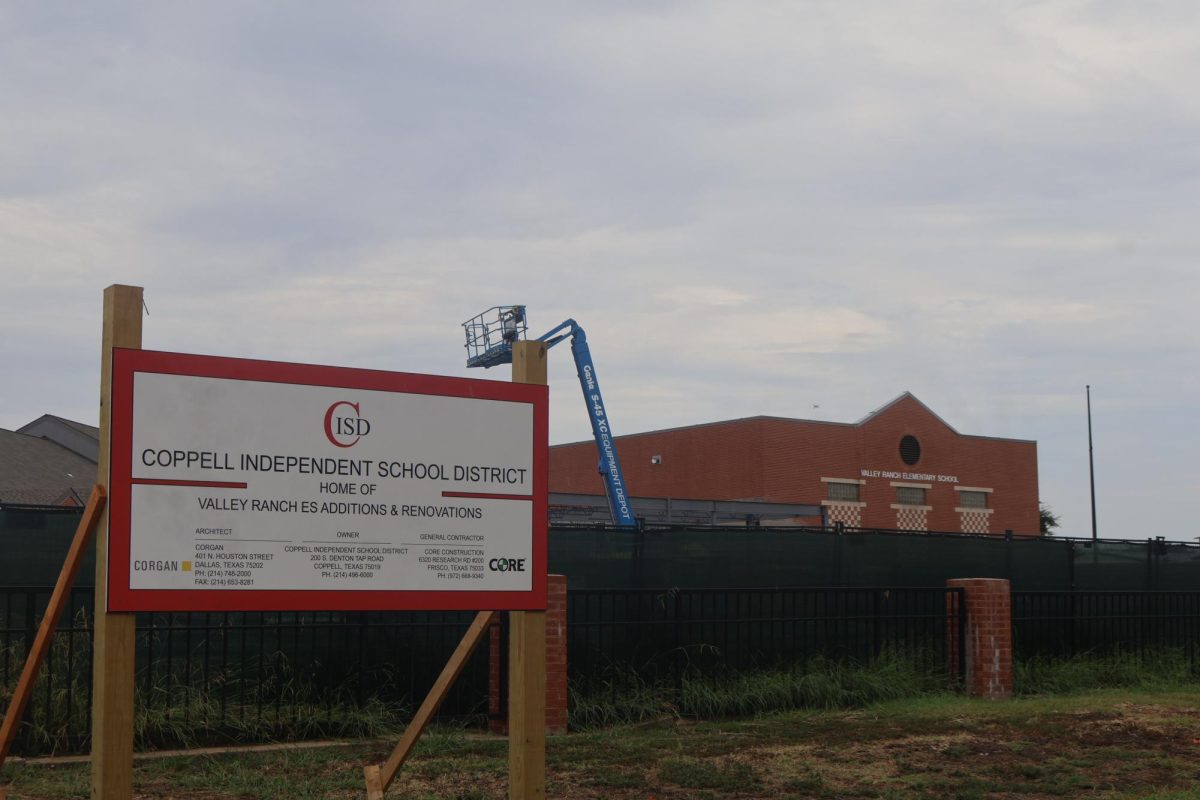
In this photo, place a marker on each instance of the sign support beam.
(115, 634)
(527, 649)
(58, 600)
(380, 778)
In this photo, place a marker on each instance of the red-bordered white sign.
(260, 485)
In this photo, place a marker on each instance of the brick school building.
(901, 466)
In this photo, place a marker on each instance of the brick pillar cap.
(984, 581)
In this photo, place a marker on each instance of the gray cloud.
(752, 208)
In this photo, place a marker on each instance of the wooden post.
(41, 643)
(115, 634)
(527, 649)
(374, 782)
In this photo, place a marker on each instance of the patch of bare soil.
(1061, 755)
(1097, 753)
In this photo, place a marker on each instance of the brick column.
(988, 636)
(497, 709)
(556, 664)
(556, 654)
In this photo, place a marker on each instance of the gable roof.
(84, 440)
(87, 430)
(903, 396)
(897, 400)
(38, 471)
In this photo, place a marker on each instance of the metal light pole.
(1091, 462)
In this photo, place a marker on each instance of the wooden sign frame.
(115, 631)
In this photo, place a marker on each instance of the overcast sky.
(795, 209)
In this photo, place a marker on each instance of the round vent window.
(910, 450)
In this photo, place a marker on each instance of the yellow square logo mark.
(186, 566)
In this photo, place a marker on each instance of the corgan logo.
(342, 428)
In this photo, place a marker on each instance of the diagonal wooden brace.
(41, 642)
(379, 778)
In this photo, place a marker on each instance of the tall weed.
(186, 707)
(821, 683)
(1162, 668)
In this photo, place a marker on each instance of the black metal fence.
(246, 675)
(657, 636)
(1058, 625)
(235, 675)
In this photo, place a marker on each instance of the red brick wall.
(988, 634)
(783, 460)
(704, 462)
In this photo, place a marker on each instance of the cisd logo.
(342, 428)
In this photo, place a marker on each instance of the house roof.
(83, 440)
(86, 430)
(38, 471)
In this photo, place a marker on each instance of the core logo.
(507, 565)
(342, 428)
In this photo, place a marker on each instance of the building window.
(910, 450)
(973, 499)
(843, 491)
(910, 496)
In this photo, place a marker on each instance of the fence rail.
(658, 636)
(257, 674)
(1071, 624)
(221, 676)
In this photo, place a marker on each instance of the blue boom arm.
(610, 464)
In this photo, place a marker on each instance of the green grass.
(693, 773)
(616, 777)
(819, 684)
(198, 716)
(1153, 669)
(171, 713)
(826, 684)
(1111, 744)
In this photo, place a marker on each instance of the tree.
(1048, 520)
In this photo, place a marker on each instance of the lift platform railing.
(490, 335)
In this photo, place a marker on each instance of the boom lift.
(490, 337)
